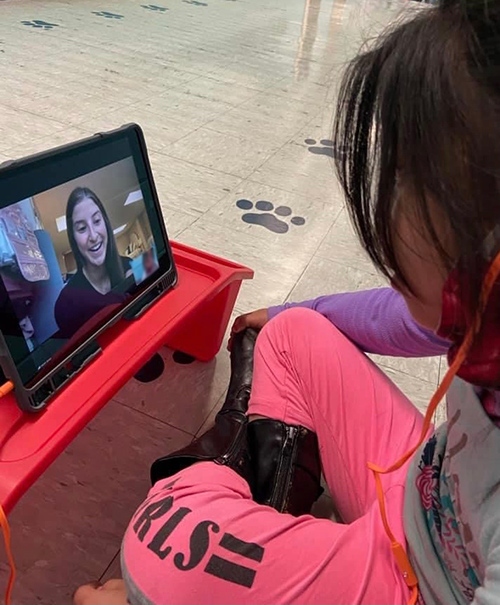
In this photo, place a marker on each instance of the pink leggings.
(200, 538)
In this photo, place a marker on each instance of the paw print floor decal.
(268, 217)
(107, 15)
(39, 24)
(154, 7)
(325, 147)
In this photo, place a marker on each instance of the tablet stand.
(191, 318)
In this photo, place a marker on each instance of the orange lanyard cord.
(6, 536)
(399, 553)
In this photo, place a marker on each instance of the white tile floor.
(227, 92)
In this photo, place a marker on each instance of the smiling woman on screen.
(99, 266)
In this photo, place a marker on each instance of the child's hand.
(256, 320)
(111, 593)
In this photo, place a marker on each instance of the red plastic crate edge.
(13, 485)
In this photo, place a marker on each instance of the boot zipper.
(284, 469)
(225, 458)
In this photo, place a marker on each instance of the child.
(418, 124)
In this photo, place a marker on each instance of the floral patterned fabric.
(433, 484)
(452, 503)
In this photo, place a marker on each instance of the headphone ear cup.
(453, 325)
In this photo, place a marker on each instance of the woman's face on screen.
(89, 229)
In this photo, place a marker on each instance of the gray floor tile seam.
(274, 56)
(17, 110)
(220, 130)
(189, 34)
(151, 417)
(125, 53)
(277, 71)
(290, 140)
(101, 95)
(350, 230)
(211, 119)
(339, 212)
(144, 54)
(180, 40)
(254, 93)
(323, 93)
(323, 61)
(245, 65)
(65, 123)
(7, 150)
(12, 82)
(225, 107)
(315, 196)
(149, 50)
(368, 270)
(313, 256)
(327, 85)
(134, 103)
(84, 71)
(219, 27)
(442, 370)
(216, 404)
(380, 362)
(266, 68)
(178, 235)
(159, 63)
(283, 47)
(205, 214)
(254, 178)
(266, 88)
(190, 212)
(156, 65)
(164, 153)
(206, 166)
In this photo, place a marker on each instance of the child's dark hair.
(423, 106)
(113, 262)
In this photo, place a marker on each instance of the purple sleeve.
(378, 321)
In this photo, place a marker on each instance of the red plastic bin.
(191, 318)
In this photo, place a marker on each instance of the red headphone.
(482, 363)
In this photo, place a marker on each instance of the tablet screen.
(79, 238)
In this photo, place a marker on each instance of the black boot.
(286, 466)
(226, 442)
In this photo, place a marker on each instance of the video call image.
(71, 254)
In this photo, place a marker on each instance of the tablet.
(82, 243)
